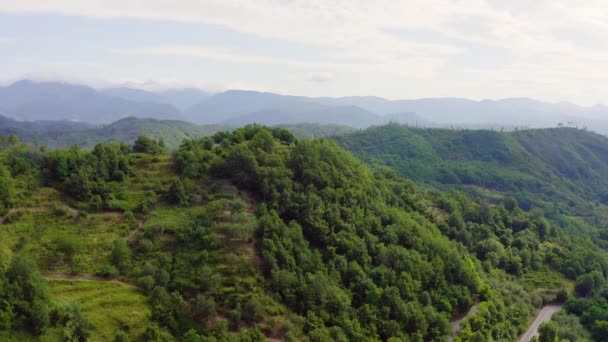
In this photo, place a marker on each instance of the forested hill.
(561, 169)
(61, 134)
(252, 234)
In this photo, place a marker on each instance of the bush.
(76, 326)
(67, 244)
(107, 271)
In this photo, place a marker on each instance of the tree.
(27, 292)
(6, 190)
(76, 326)
(548, 332)
(145, 144)
(600, 331)
(121, 256)
(586, 284)
(179, 192)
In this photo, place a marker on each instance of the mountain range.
(32, 100)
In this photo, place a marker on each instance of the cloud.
(6, 40)
(209, 52)
(319, 77)
(335, 62)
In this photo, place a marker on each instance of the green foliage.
(312, 130)
(145, 144)
(548, 332)
(24, 295)
(102, 310)
(89, 175)
(254, 233)
(570, 328)
(6, 190)
(121, 256)
(325, 239)
(75, 326)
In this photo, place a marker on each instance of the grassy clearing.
(109, 305)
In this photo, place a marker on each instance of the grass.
(44, 235)
(109, 306)
(547, 282)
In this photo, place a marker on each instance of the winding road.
(544, 315)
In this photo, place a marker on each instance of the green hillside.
(172, 132)
(253, 235)
(62, 134)
(562, 170)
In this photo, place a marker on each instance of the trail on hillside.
(66, 276)
(13, 211)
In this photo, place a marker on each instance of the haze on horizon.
(548, 50)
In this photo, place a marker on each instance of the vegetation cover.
(253, 234)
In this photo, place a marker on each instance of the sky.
(549, 50)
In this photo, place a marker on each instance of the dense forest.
(255, 234)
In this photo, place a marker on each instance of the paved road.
(456, 327)
(543, 316)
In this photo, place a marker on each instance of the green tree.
(7, 191)
(121, 256)
(27, 292)
(548, 332)
(145, 144)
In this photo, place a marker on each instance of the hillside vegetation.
(561, 170)
(252, 235)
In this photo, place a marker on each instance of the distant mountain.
(29, 100)
(131, 94)
(308, 112)
(238, 103)
(507, 113)
(184, 98)
(237, 106)
(179, 98)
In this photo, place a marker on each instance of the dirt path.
(35, 210)
(544, 315)
(456, 326)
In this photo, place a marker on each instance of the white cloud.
(320, 77)
(209, 52)
(6, 40)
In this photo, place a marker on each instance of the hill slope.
(172, 132)
(559, 170)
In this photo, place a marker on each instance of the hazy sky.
(551, 50)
